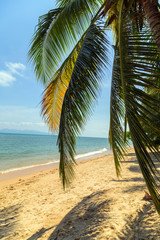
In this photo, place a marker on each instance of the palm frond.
(54, 93)
(90, 3)
(57, 33)
(36, 51)
(138, 57)
(80, 95)
(117, 115)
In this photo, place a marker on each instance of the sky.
(20, 92)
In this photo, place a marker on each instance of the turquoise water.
(18, 150)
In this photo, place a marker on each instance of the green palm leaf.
(68, 52)
(87, 3)
(117, 116)
(55, 91)
(138, 57)
(57, 33)
(80, 95)
(36, 53)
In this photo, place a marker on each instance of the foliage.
(70, 52)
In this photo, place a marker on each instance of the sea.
(20, 151)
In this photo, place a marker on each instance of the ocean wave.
(83, 155)
(77, 157)
(26, 167)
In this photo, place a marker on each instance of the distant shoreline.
(37, 134)
(45, 134)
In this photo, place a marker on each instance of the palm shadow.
(133, 159)
(8, 221)
(144, 226)
(134, 179)
(40, 233)
(135, 168)
(83, 220)
(130, 154)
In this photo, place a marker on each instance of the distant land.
(14, 131)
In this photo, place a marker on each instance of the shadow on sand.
(130, 154)
(135, 168)
(8, 221)
(40, 233)
(144, 226)
(139, 187)
(86, 219)
(83, 220)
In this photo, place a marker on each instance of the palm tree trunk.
(153, 17)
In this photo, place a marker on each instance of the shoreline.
(29, 170)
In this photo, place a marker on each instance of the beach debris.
(147, 196)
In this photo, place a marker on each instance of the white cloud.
(15, 67)
(7, 77)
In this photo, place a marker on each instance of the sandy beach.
(96, 206)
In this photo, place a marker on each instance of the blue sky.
(20, 93)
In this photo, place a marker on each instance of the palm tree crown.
(70, 52)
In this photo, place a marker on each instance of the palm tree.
(70, 51)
